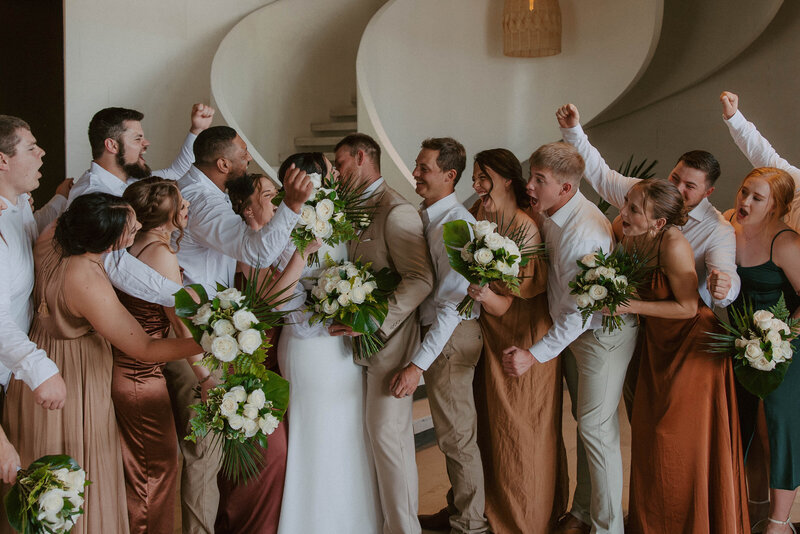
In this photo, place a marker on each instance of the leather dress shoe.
(440, 521)
(569, 524)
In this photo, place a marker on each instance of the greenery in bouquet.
(241, 413)
(492, 255)
(335, 212)
(353, 294)
(47, 497)
(608, 281)
(760, 342)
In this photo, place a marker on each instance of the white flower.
(308, 216)
(249, 340)
(224, 348)
(51, 502)
(598, 292)
(369, 286)
(61, 474)
(74, 497)
(753, 351)
(240, 392)
(257, 399)
(774, 337)
(268, 423)
(343, 286)
(324, 209)
(358, 295)
(483, 256)
(330, 286)
(351, 270)
(466, 255)
(606, 272)
(319, 292)
(76, 480)
(780, 326)
(344, 299)
(589, 260)
(504, 268)
(338, 217)
(357, 281)
(316, 179)
(229, 297)
(762, 364)
(494, 241)
(249, 411)
(223, 327)
(228, 406)
(203, 315)
(329, 308)
(592, 275)
(322, 229)
(235, 421)
(250, 427)
(244, 319)
(515, 269)
(787, 349)
(621, 281)
(583, 300)
(484, 228)
(763, 319)
(206, 340)
(740, 343)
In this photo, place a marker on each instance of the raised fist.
(298, 188)
(202, 115)
(730, 103)
(568, 116)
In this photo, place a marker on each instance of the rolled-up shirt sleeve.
(132, 276)
(50, 211)
(721, 256)
(182, 163)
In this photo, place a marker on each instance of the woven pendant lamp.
(531, 29)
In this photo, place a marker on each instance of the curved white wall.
(436, 68)
(285, 66)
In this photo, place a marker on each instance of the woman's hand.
(311, 248)
(9, 460)
(479, 293)
(622, 309)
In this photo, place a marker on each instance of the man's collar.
(440, 207)
(371, 188)
(103, 173)
(698, 213)
(564, 212)
(199, 177)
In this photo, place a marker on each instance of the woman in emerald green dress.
(767, 255)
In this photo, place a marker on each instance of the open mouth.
(741, 213)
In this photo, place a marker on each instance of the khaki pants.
(201, 461)
(449, 386)
(595, 365)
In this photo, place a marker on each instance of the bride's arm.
(287, 280)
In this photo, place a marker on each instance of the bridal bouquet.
(760, 343)
(241, 413)
(334, 213)
(47, 497)
(353, 294)
(608, 281)
(490, 256)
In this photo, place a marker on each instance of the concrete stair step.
(317, 141)
(334, 126)
(346, 111)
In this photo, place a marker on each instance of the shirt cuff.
(736, 121)
(36, 368)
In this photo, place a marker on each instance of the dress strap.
(771, 245)
(151, 244)
(730, 219)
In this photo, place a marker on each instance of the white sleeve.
(182, 163)
(609, 184)
(18, 353)
(131, 275)
(721, 255)
(50, 211)
(757, 149)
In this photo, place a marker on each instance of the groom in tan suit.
(393, 239)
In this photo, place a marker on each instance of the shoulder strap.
(150, 245)
(772, 245)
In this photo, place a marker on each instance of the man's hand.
(52, 393)
(517, 361)
(405, 381)
(719, 284)
(202, 115)
(65, 187)
(730, 103)
(311, 248)
(9, 460)
(568, 116)
(339, 329)
(298, 188)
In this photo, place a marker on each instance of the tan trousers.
(201, 461)
(449, 386)
(595, 378)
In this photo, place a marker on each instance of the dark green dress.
(762, 285)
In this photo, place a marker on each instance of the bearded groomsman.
(394, 239)
(451, 345)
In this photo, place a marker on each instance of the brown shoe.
(438, 521)
(569, 524)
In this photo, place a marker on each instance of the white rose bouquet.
(353, 294)
(241, 413)
(491, 255)
(608, 281)
(48, 496)
(334, 213)
(760, 343)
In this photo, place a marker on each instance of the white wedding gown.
(330, 479)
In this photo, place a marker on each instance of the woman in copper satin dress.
(77, 316)
(687, 472)
(138, 388)
(519, 418)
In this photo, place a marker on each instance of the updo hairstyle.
(156, 201)
(664, 200)
(92, 223)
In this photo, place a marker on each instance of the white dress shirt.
(761, 154)
(438, 310)
(712, 237)
(18, 354)
(576, 229)
(216, 238)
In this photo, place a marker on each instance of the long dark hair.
(92, 223)
(506, 164)
(310, 162)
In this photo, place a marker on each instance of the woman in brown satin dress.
(519, 418)
(138, 388)
(255, 507)
(687, 472)
(77, 316)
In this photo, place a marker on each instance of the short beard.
(131, 170)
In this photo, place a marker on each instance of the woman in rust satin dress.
(138, 388)
(519, 418)
(255, 507)
(687, 471)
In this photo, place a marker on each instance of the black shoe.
(438, 521)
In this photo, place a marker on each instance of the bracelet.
(205, 379)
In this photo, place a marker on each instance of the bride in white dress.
(330, 482)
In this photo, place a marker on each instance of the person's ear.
(111, 145)
(5, 162)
